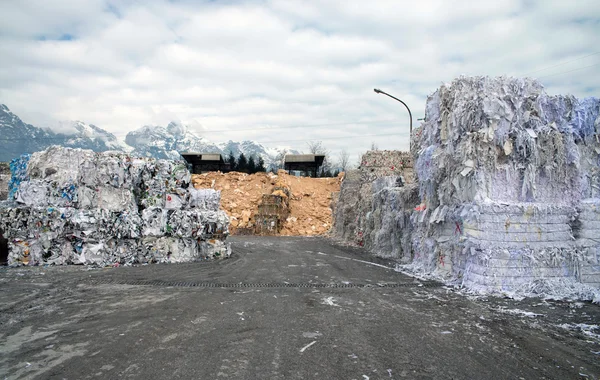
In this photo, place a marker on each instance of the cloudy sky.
(283, 71)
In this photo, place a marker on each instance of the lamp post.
(378, 91)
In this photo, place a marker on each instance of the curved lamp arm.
(408, 109)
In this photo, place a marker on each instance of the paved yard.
(280, 308)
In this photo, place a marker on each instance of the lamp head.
(377, 90)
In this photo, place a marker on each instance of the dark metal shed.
(206, 162)
(308, 163)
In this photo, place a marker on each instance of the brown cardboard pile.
(311, 198)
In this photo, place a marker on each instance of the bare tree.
(280, 159)
(317, 147)
(344, 160)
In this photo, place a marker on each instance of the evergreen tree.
(231, 161)
(251, 165)
(242, 163)
(260, 167)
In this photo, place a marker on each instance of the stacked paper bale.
(507, 178)
(376, 202)
(4, 178)
(587, 234)
(386, 163)
(387, 228)
(350, 206)
(73, 206)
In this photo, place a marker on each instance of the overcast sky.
(230, 68)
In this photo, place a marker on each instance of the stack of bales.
(273, 210)
(73, 206)
(376, 202)
(509, 185)
(4, 178)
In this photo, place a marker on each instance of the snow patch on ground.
(520, 312)
(329, 301)
(592, 331)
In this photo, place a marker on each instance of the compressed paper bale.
(122, 225)
(508, 226)
(48, 221)
(388, 230)
(88, 172)
(123, 251)
(215, 249)
(206, 199)
(58, 164)
(214, 223)
(65, 194)
(116, 199)
(377, 164)
(59, 253)
(174, 201)
(167, 249)
(116, 169)
(85, 223)
(152, 198)
(20, 252)
(504, 218)
(14, 221)
(147, 251)
(186, 223)
(524, 237)
(475, 117)
(589, 209)
(181, 174)
(94, 253)
(33, 193)
(185, 250)
(154, 221)
(87, 198)
(110, 171)
(162, 249)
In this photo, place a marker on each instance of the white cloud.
(232, 70)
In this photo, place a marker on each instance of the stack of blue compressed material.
(18, 171)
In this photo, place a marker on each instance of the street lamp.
(409, 113)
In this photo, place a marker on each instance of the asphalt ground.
(281, 308)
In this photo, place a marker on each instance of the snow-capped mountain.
(89, 136)
(17, 137)
(176, 138)
(160, 142)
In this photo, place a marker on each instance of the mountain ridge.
(17, 137)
